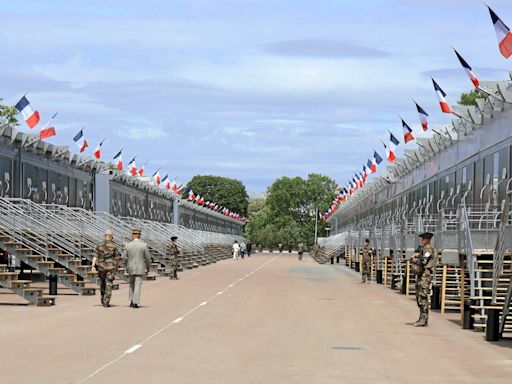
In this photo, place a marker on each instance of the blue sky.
(249, 89)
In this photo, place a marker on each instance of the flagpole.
(316, 226)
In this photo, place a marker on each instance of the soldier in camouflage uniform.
(106, 257)
(173, 254)
(423, 263)
(366, 261)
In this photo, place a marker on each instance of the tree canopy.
(227, 192)
(8, 115)
(288, 213)
(469, 98)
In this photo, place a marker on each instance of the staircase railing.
(465, 231)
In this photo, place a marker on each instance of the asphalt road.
(266, 319)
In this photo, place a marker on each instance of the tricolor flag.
(366, 170)
(166, 182)
(179, 190)
(132, 168)
(30, 115)
(119, 160)
(141, 170)
(423, 117)
(361, 180)
(393, 142)
(503, 34)
(48, 130)
(156, 177)
(471, 74)
(375, 161)
(80, 141)
(407, 132)
(369, 166)
(97, 151)
(442, 101)
(191, 196)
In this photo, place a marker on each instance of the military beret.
(426, 235)
(136, 231)
(174, 238)
(366, 241)
(109, 232)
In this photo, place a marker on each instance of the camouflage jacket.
(426, 261)
(107, 255)
(367, 251)
(173, 251)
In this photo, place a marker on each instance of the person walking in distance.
(242, 249)
(423, 262)
(106, 257)
(366, 265)
(173, 254)
(249, 249)
(236, 250)
(138, 260)
(300, 250)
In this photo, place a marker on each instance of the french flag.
(503, 34)
(471, 74)
(141, 170)
(166, 182)
(442, 101)
(30, 115)
(191, 196)
(119, 160)
(375, 161)
(156, 177)
(48, 130)
(80, 141)
(366, 171)
(179, 190)
(423, 117)
(97, 150)
(362, 179)
(350, 188)
(407, 132)
(369, 166)
(390, 152)
(132, 168)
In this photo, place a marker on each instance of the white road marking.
(133, 349)
(179, 319)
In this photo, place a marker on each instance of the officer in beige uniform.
(138, 260)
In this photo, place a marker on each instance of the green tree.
(227, 192)
(469, 98)
(8, 115)
(290, 208)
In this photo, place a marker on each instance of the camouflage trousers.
(366, 270)
(107, 281)
(422, 289)
(174, 269)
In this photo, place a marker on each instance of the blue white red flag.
(30, 115)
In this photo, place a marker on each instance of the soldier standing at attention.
(138, 260)
(366, 264)
(172, 253)
(106, 257)
(422, 264)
